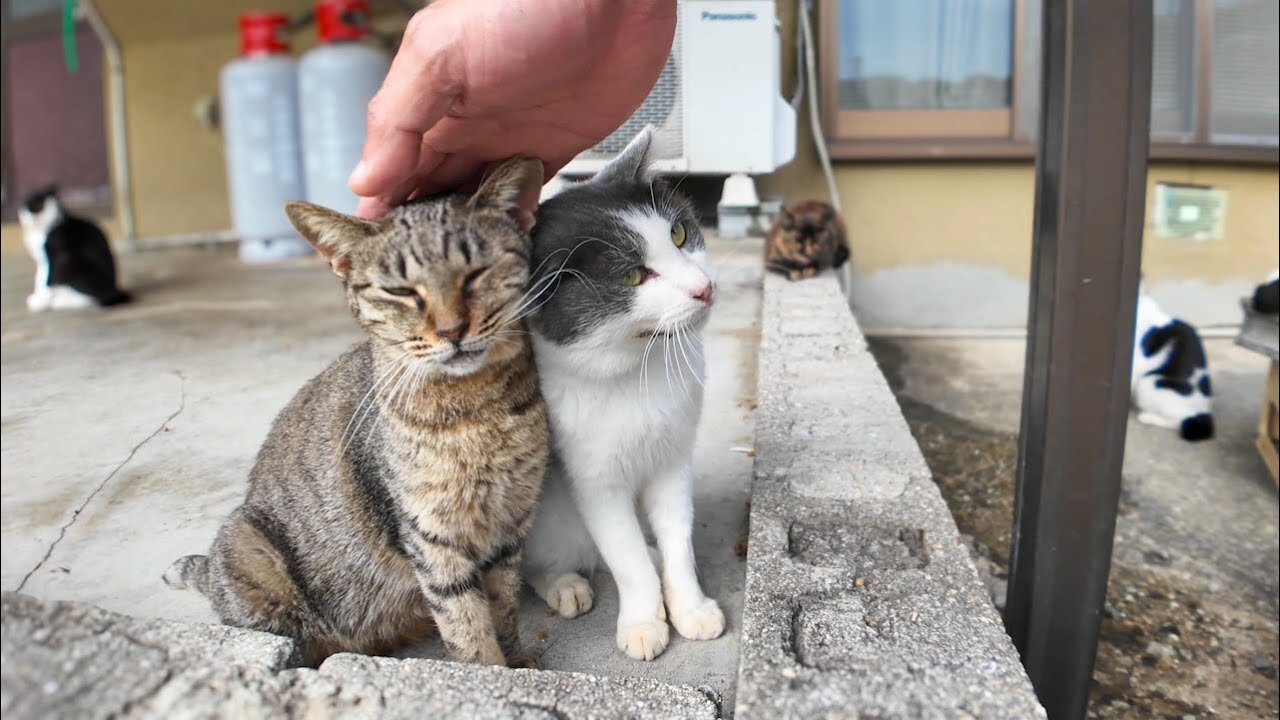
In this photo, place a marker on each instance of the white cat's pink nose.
(703, 293)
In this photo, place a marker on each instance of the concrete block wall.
(861, 599)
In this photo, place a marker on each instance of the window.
(961, 78)
(54, 120)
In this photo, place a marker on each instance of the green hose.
(69, 56)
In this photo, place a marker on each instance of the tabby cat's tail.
(191, 571)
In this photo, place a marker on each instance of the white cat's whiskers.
(668, 346)
(644, 362)
(684, 342)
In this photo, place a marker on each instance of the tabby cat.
(805, 239)
(397, 487)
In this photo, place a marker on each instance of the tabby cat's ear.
(513, 187)
(632, 165)
(333, 234)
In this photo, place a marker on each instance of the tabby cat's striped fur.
(398, 485)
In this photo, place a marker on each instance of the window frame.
(909, 136)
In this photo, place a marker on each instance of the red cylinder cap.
(258, 33)
(342, 20)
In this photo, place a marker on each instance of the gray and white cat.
(74, 265)
(625, 286)
(1170, 379)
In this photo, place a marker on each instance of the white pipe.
(119, 132)
(815, 123)
(819, 140)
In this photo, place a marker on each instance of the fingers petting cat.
(805, 239)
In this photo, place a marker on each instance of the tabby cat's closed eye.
(470, 280)
(399, 291)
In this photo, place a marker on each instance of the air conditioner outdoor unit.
(718, 106)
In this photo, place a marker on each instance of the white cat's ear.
(331, 233)
(632, 165)
(513, 187)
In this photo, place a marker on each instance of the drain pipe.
(119, 133)
(805, 34)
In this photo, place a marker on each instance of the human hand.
(478, 81)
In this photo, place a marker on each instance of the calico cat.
(625, 286)
(74, 264)
(805, 239)
(397, 487)
(1170, 379)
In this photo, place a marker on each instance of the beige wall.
(947, 244)
(179, 181)
(934, 244)
(172, 54)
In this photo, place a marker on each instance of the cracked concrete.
(62, 532)
(104, 485)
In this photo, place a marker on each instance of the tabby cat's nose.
(454, 332)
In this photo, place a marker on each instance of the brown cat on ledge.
(805, 239)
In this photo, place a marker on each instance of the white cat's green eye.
(399, 291)
(634, 278)
(678, 234)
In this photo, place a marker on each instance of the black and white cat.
(74, 264)
(1266, 297)
(625, 287)
(1170, 380)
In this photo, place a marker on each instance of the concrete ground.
(128, 435)
(1192, 619)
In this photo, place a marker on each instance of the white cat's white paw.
(37, 302)
(1152, 419)
(570, 595)
(702, 621)
(644, 640)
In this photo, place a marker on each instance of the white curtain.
(925, 54)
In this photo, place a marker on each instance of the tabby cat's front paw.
(644, 640)
(521, 660)
(702, 621)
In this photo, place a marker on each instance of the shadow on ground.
(1190, 626)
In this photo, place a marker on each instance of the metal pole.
(1090, 199)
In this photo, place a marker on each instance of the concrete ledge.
(76, 660)
(861, 599)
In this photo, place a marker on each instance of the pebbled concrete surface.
(861, 599)
(1191, 619)
(75, 660)
(128, 436)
